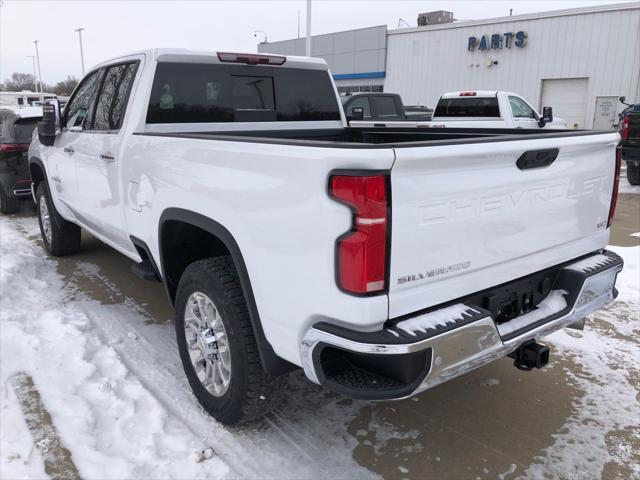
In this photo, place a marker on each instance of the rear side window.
(384, 106)
(199, 93)
(468, 107)
(23, 128)
(113, 96)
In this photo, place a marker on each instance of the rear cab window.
(202, 93)
(23, 128)
(468, 107)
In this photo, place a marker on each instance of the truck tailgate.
(465, 217)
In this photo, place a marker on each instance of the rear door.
(465, 217)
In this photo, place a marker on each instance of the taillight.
(614, 193)
(624, 129)
(362, 253)
(14, 147)
(251, 58)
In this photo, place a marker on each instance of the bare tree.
(20, 81)
(65, 87)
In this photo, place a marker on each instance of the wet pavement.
(492, 423)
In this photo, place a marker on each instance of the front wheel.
(217, 346)
(59, 236)
(633, 174)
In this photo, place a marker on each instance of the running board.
(145, 271)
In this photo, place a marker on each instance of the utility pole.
(35, 73)
(38, 62)
(79, 30)
(308, 47)
(298, 22)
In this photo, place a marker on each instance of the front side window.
(468, 107)
(113, 96)
(199, 93)
(77, 109)
(520, 108)
(360, 102)
(384, 106)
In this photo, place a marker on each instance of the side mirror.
(49, 126)
(623, 99)
(547, 114)
(357, 113)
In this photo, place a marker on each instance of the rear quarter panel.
(273, 200)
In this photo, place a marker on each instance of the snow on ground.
(608, 412)
(114, 386)
(115, 390)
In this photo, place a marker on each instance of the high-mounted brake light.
(614, 193)
(467, 94)
(362, 253)
(624, 129)
(251, 58)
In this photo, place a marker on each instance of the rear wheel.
(217, 346)
(8, 203)
(633, 174)
(59, 236)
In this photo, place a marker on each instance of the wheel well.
(37, 174)
(183, 244)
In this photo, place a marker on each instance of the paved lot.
(578, 418)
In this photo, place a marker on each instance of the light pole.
(79, 30)
(255, 34)
(38, 62)
(35, 73)
(308, 43)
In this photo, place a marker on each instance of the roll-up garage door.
(568, 97)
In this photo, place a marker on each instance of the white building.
(571, 60)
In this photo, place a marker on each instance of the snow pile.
(437, 318)
(552, 304)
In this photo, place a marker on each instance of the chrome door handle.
(107, 157)
(69, 150)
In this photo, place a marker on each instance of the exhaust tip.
(530, 355)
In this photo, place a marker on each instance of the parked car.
(374, 106)
(286, 240)
(16, 129)
(630, 140)
(484, 109)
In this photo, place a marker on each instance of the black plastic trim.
(271, 362)
(143, 246)
(473, 135)
(537, 158)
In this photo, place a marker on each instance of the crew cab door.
(97, 160)
(523, 115)
(61, 159)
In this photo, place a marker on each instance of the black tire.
(251, 392)
(65, 236)
(8, 203)
(633, 174)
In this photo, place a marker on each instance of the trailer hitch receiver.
(530, 355)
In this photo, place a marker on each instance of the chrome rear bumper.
(475, 342)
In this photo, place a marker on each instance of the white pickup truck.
(477, 109)
(382, 262)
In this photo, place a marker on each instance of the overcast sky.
(118, 26)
